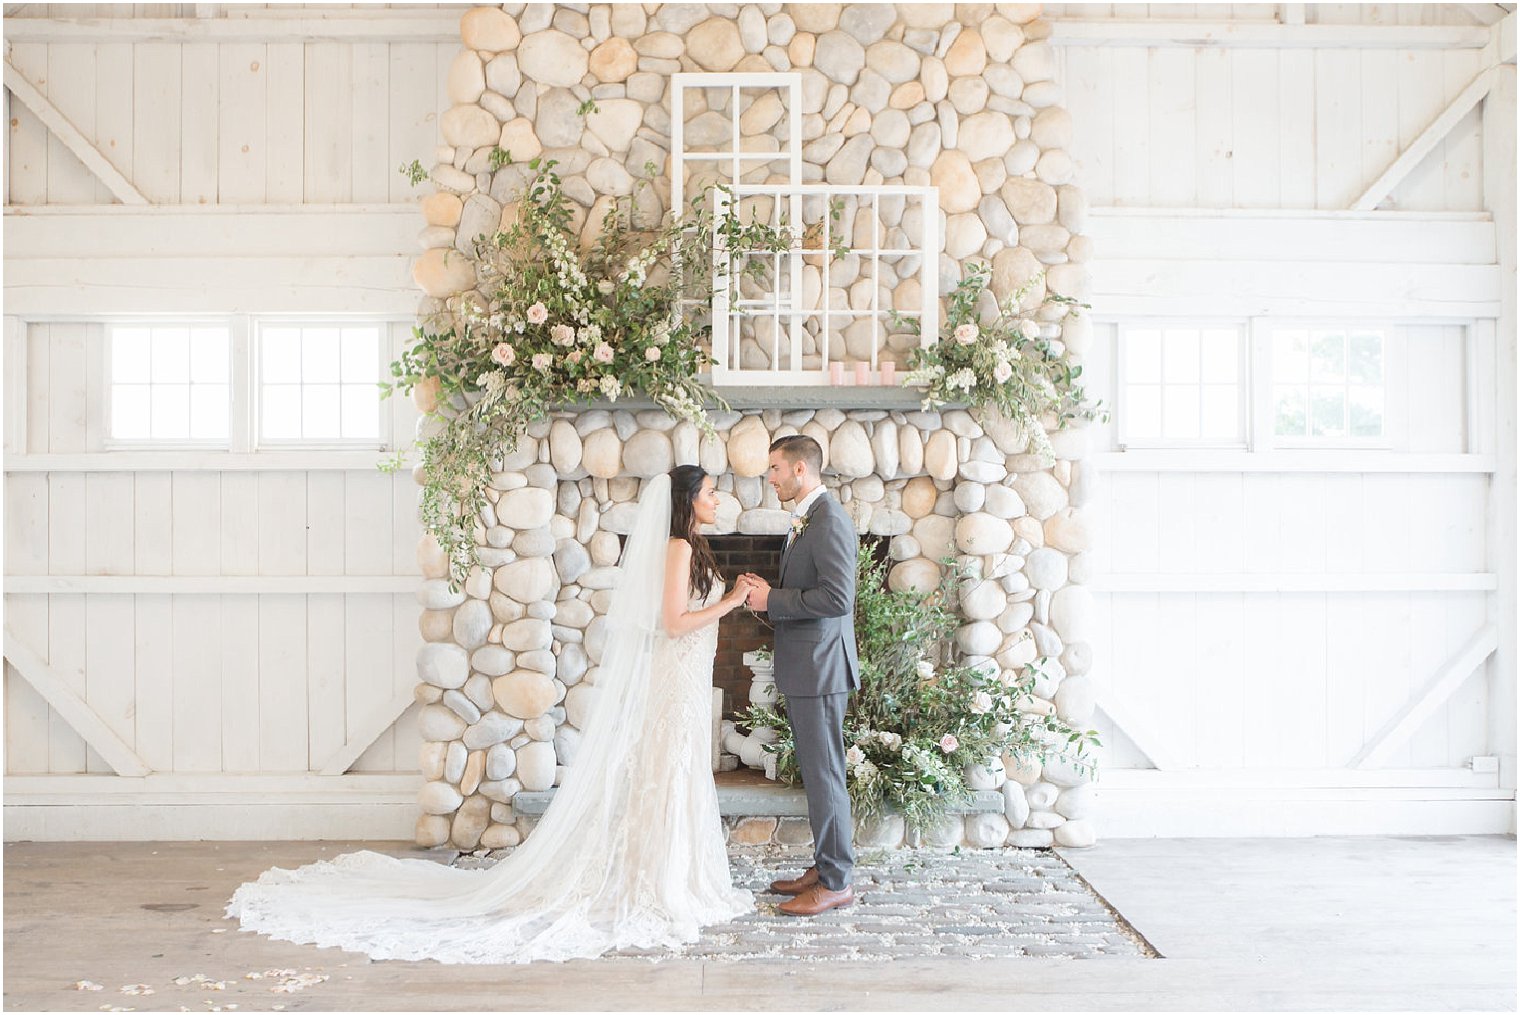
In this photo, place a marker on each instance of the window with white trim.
(317, 382)
(168, 384)
(1182, 384)
(1329, 384)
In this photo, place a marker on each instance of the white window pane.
(1142, 410)
(129, 410)
(1180, 412)
(319, 410)
(1328, 412)
(1290, 357)
(1327, 357)
(1364, 362)
(1142, 356)
(208, 410)
(208, 355)
(1221, 411)
(1366, 409)
(1180, 358)
(361, 410)
(281, 414)
(1221, 356)
(1290, 413)
(171, 355)
(130, 351)
(361, 354)
(319, 355)
(281, 355)
(171, 410)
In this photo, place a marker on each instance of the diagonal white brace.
(376, 723)
(46, 681)
(1431, 136)
(1450, 677)
(70, 135)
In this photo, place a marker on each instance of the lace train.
(635, 860)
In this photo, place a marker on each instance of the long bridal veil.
(577, 887)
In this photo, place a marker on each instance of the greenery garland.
(922, 716)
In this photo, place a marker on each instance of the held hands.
(759, 592)
(739, 594)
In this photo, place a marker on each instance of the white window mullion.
(1260, 435)
(242, 378)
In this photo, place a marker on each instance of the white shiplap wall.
(1257, 699)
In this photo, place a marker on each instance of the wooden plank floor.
(1365, 923)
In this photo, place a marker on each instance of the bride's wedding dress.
(629, 854)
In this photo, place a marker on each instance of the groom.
(813, 611)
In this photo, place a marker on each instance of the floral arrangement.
(922, 716)
(997, 362)
(550, 324)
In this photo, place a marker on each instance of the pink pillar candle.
(862, 373)
(888, 373)
(836, 374)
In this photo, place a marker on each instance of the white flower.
(652, 353)
(605, 287)
(891, 741)
(964, 378)
(562, 334)
(542, 361)
(966, 333)
(981, 703)
(925, 669)
(1002, 372)
(854, 756)
(611, 387)
(865, 771)
(603, 353)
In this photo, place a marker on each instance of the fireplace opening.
(743, 631)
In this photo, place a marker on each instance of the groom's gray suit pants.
(818, 732)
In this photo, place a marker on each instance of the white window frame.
(788, 83)
(725, 312)
(1395, 384)
(110, 443)
(253, 390)
(1244, 384)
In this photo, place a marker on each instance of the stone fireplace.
(509, 671)
(960, 100)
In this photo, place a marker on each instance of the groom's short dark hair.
(800, 447)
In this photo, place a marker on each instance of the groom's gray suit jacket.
(812, 607)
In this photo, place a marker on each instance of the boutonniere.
(799, 524)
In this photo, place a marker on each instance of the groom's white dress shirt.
(801, 510)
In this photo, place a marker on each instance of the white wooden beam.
(1373, 237)
(122, 460)
(1141, 735)
(364, 28)
(1292, 14)
(211, 585)
(1409, 719)
(1299, 778)
(46, 681)
(209, 787)
(1154, 32)
(1170, 460)
(1249, 288)
(1433, 134)
(1294, 582)
(72, 138)
(1504, 40)
(377, 722)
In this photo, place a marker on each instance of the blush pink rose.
(504, 354)
(538, 314)
(948, 743)
(603, 353)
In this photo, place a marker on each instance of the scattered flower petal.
(88, 985)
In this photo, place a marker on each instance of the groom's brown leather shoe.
(796, 886)
(818, 899)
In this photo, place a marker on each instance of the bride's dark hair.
(685, 484)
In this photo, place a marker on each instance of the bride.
(630, 852)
